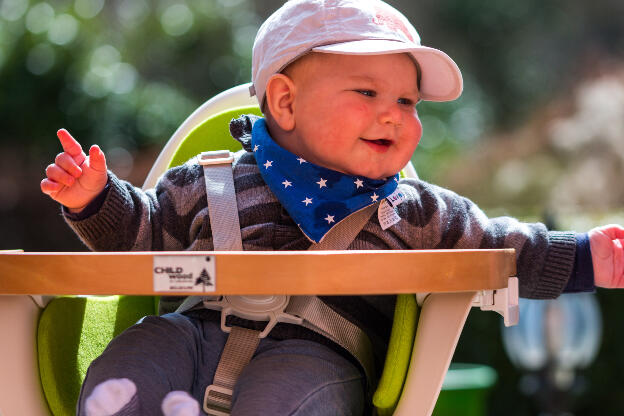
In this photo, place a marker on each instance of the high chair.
(48, 342)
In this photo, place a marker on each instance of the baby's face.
(356, 114)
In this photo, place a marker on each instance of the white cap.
(356, 27)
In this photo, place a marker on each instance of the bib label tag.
(387, 215)
(395, 198)
(184, 273)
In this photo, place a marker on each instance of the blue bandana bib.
(316, 198)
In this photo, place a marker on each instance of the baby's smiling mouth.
(378, 144)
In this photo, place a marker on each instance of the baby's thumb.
(97, 160)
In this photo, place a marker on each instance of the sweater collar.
(240, 129)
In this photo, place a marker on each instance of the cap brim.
(441, 78)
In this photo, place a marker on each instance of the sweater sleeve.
(168, 217)
(582, 276)
(445, 220)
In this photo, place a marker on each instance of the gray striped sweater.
(174, 216)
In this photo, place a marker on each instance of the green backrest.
(213, 134)
(73, 331)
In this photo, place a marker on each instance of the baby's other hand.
(607, 251)
(75, 179)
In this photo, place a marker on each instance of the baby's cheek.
(414, 130)
(354, 108)
(329, 134)
(362, 112)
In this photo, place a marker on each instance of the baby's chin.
(372, 171)
(358, 172)
(369, 175)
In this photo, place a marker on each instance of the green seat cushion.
(72, 332)
(399, 353)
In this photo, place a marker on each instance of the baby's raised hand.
(75, 179)
(607, 250)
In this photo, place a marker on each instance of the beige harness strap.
(239, 348)
(309, 311)
(342, 234)
(323, 320)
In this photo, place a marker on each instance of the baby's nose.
(391, 114)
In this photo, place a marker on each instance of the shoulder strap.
(222, 207)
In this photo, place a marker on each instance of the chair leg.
(442, 318)
(20, 388)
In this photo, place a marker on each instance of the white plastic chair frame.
(442, 315)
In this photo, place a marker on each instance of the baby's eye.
(368, 93)
(406, 101)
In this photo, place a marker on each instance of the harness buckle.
(216, 157)
(217, 400)
(270, 308)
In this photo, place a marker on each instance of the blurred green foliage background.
(538, 132)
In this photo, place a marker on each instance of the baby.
(338, 82)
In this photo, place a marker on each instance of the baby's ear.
(280, 98)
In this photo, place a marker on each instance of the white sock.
(110, 396)
(179, 403)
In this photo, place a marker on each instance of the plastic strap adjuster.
(217, 400)
(216, 157)
(239, 348)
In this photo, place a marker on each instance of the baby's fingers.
(71, 146)
(59, 175)
(68, 164)
(97, 160)
(613, 231)
(49, 187)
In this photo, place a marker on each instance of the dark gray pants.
(176, 352)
